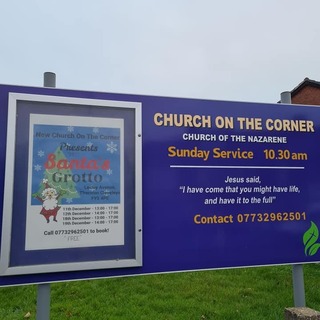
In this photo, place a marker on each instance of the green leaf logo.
(310, 238)
(313, 249)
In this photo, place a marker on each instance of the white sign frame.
(5, 266)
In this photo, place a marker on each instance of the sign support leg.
(298, 286)
(297, 270)
(43, 297)
(43, 302)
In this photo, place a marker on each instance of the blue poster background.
(49, 139)
(172, 241)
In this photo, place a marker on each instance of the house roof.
(304, 83)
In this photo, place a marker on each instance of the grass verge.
(242, 294)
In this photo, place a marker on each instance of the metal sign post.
(43, 296)
(43, 302)
(297, 269)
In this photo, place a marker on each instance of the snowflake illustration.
(40, 153)
(95, 130)
(70, 128)
(112, 147)
(89, 144)
(109, 172)
(69, 200)
(37, 167)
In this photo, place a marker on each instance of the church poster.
(75, 182)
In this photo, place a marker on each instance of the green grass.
(241, 294)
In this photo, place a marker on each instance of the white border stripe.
(174, 166)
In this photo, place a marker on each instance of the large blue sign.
(224, 184)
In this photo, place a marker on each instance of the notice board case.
(72, 200)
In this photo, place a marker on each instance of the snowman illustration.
(49, 199)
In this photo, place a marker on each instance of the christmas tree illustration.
(65, 187)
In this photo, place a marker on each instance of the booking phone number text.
(65, 232)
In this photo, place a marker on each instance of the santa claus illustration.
(49, 198)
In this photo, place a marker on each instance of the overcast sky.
(249, 50)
